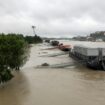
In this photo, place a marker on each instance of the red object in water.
(64, 47)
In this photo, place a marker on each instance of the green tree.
(13, 54)
(33, 39)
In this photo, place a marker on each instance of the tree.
(33, 39)
(13, 54)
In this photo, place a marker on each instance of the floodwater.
(34, 85)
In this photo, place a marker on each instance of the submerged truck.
(91, 56)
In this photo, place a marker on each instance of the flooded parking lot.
(73, 85)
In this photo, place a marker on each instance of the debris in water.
(45, 64)
(61, 65)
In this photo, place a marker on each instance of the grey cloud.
(52, 17)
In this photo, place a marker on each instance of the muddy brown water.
(75, 85)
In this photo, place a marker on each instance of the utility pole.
(33, 27)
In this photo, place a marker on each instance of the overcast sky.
(58, 18)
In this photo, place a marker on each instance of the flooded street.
(34, 85)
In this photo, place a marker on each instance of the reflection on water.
(75, 85)
(15, 91)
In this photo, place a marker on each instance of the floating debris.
(45, 64)
(54, 43)
(61, 65)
